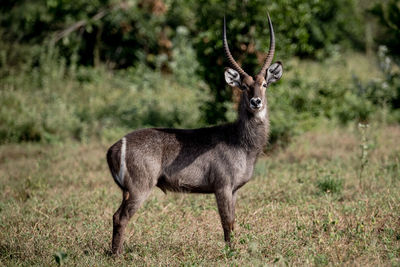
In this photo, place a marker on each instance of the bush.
(150, 54)
(299, 102)
(54, 102)
(329, 184)
(124, 34)
(388, 13)
(385, 91)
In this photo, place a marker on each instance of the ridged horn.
(229, 56)
(271, 51)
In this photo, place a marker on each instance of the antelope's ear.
(232, 77)
(274, 72)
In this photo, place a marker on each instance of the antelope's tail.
(116, 159)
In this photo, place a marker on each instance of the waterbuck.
(218, 159)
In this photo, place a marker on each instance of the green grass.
(329, 184)
(59, 198)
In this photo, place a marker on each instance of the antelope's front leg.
(233, 205)
(226, 211)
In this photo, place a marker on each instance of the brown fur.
(218, 159)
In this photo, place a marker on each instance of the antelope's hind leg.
(131, 202)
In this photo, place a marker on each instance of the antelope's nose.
(255, 102)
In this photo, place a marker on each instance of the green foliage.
(330, 184)
(160, 63)
(388, 90)
(54, 102)
(388, 13)
(303, 28)
(321, 260)
(138, 28)
(297, 104)
(125, 34)
(384, 91)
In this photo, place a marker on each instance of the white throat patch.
(262, 113)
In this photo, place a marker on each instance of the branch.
(77, 25)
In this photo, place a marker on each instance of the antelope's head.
(253, 88)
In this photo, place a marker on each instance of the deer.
(215, 160)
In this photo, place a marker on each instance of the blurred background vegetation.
(97, 69)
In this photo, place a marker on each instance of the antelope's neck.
(253, 127)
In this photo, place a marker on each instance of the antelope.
(218, 159)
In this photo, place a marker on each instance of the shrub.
(53, 102)
(388, 13)
(299, 102)
(128, 33)
(329, 184)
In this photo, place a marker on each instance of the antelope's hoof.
(116, 251)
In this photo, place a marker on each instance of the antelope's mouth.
(255, 107)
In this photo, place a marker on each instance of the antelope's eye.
(264, 85)
(245, 87)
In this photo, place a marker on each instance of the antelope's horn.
(229, 56)
(271, 51)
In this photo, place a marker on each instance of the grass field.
(307, 204)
